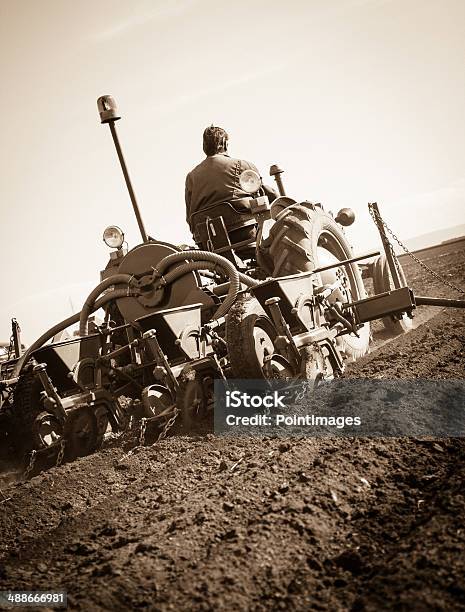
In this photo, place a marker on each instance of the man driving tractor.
(213, 188)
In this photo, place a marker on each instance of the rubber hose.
(210, 257)
(233, 289)
(205, 256)
(248, 281)
(117, 293)
(116, 279)
(208, 265)
(196, 256)
(234, 283)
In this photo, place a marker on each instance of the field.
(208, 523)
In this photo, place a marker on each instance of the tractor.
(278, 296)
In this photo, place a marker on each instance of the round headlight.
(113, 237)
(250, 181)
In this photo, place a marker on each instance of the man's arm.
(188, 196)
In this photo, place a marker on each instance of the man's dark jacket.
(213, 181)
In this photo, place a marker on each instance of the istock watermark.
(275, 410)
(342, 407)
(238, 399)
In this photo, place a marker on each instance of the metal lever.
(50, 391)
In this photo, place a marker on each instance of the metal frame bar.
(346, 262)
(431, 301)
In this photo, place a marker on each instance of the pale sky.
(358, 100)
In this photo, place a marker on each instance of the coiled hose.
(108, 297)
(205, 260)
(116, 279)
(202, 260)
(206, 265)
(199, 260)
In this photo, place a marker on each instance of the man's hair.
(215, 140)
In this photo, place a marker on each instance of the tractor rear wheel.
(304, 238)
(382, 281)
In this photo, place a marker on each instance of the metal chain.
(302, 393)
(10, 348)
(143, 427)
(376, 217)
(12, 340)
(61, 453)
(168, 425)
(30, 467)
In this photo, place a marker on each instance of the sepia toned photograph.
(232, 331)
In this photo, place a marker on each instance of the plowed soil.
(210, 523)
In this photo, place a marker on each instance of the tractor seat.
(223, 228)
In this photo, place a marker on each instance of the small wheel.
(277, 367)
(47, 430)
(82, 432)
(195, 402)
(249, 336)
(382, 281)
(84, 372)
(155, 400)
